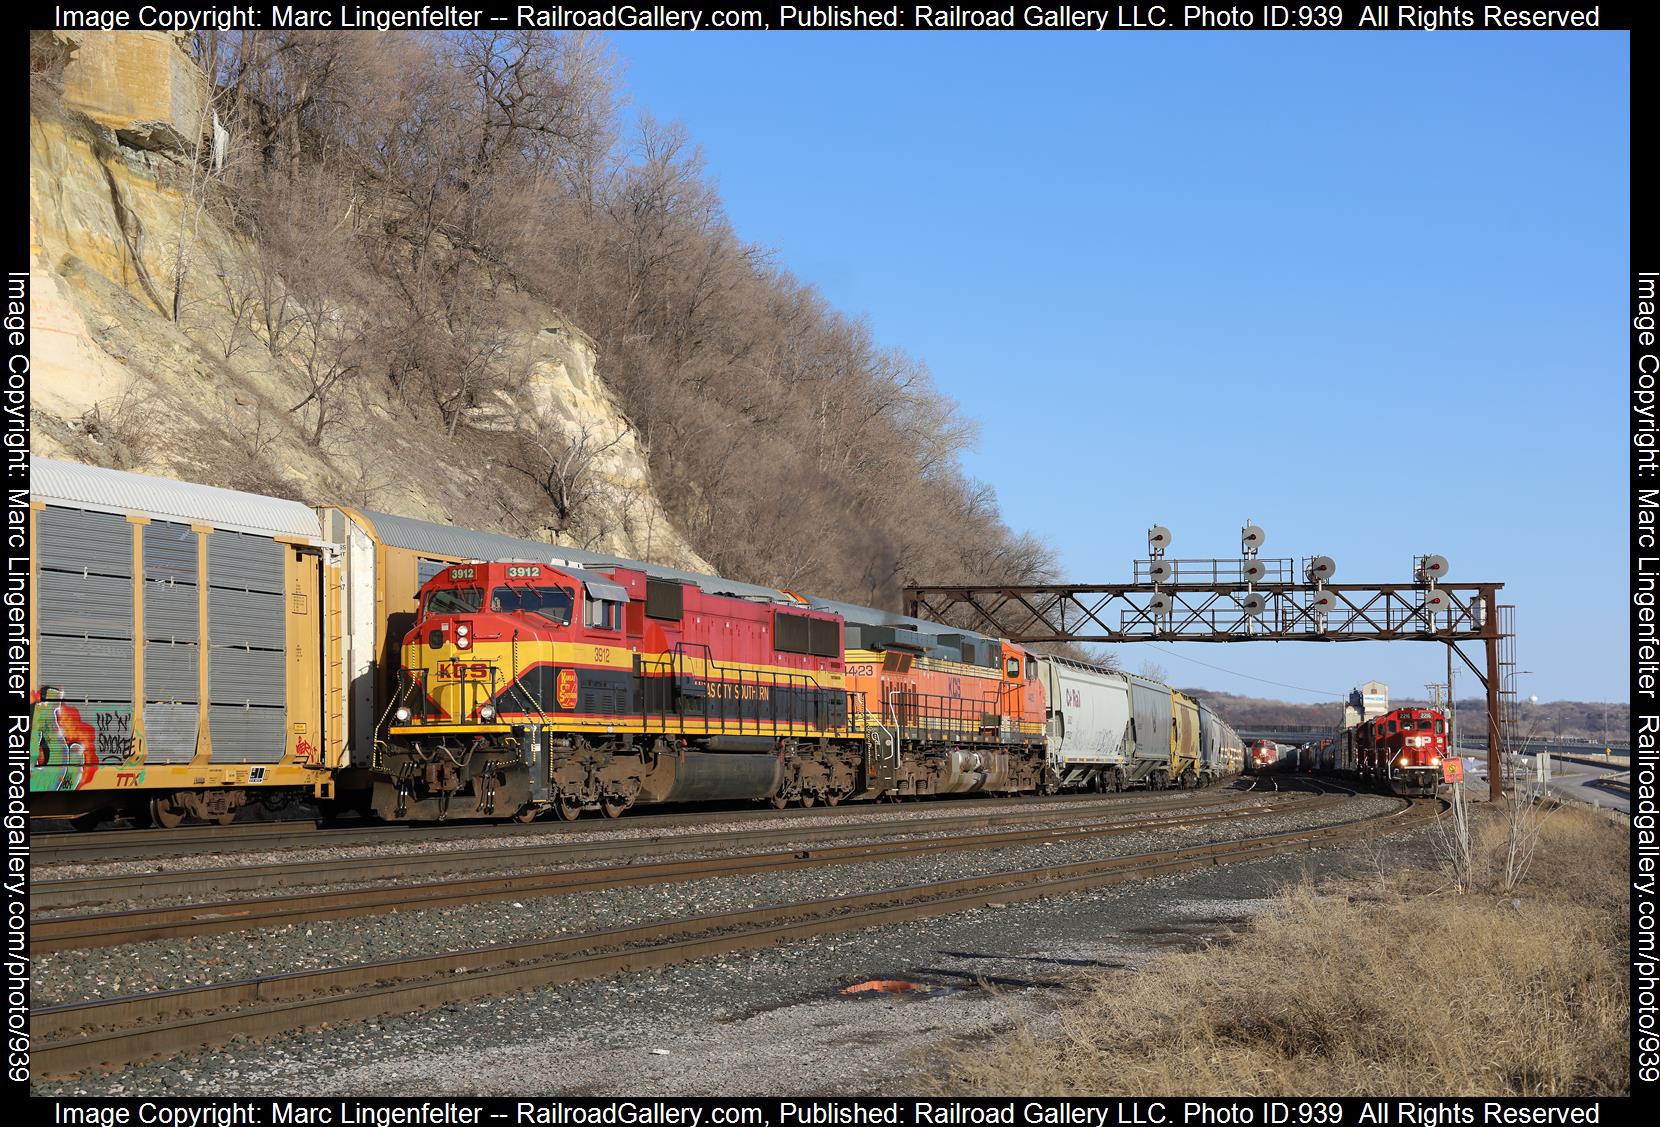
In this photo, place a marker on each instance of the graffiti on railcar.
(68, 743)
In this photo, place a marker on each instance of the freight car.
(198, 649)
(1110, 730)
(1221, 752)
(1400, 751)
(184, 654)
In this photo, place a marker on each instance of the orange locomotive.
(528, 686)
(940, 725)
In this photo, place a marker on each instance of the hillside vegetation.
(392, 280)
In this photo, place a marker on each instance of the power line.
(1247, 676)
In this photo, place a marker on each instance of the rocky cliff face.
(131, 374)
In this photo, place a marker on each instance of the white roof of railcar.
(164, 498)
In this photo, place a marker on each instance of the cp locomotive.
(1400, 751)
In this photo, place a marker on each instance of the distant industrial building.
(1368, 702)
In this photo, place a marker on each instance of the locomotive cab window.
(1392, 728)
(551, 603)
(1440, 727)
(602, 614)
(1031, 669)
(1014, 669)
(453, 600)
(1423, 724)
(603, 608)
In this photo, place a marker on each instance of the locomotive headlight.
(402, 714)
(487, 713)
(463, 630)
(1435, 761)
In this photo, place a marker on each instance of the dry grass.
(1363, 992)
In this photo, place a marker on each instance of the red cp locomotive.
(1400, 751)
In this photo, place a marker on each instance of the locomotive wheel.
(779, 802)
(226, 818)
(569, 807)
(164, 814)
(832, 798)
(527, 815)
(807, 801)
(614, 807)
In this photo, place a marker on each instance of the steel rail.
(78, 1037)
(85, 891)
(133, 845)
(58, 933)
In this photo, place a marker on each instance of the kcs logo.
(565, 689)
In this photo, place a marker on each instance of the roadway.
(1578, 781)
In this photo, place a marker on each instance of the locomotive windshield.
(453, 600)
(551, 603)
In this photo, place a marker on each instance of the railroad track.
(77, 892)
(133, 845)
(71, 1039)
(58, 933)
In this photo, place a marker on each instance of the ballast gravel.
(631, 828)
(773, 1021)
(507, 862)
(103, 972)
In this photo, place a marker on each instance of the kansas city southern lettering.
(738, 692)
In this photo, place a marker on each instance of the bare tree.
(566, 468)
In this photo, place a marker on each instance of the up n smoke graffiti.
(70, 742)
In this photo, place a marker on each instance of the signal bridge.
(1249, 599)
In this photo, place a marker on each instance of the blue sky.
(1367, 290)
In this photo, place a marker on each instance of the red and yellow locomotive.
(528, 686)
(1400, 751)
